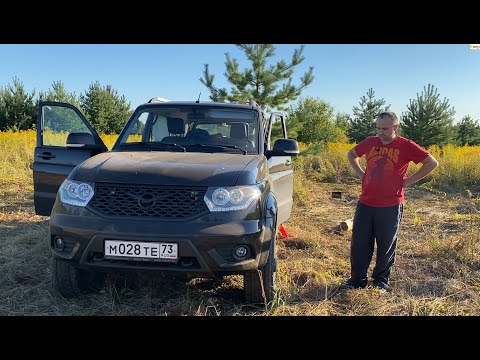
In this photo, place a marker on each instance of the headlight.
(76, 193)
(231, 198)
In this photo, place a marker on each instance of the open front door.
(64, 140)
(281, 172)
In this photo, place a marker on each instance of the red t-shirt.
(382, 184)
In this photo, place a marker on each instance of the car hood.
(164, 168)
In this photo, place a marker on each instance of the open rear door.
(64, 140)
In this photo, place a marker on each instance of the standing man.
(380, 206)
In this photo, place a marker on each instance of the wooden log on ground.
(346, 225)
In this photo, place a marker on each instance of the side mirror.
(82, 140)
(78, 139)
(284, 147)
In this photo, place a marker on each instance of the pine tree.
(468, 132)
(105, 109)
(18, 110)
(428, 120)
(363, 123)
(62, 119)
(58, 93)
(260, 83)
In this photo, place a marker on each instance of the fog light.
(58, 243)
(241, 252)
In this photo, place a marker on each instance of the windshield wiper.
(220, 146)
(155, 144)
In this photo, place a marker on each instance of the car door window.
(58, 123)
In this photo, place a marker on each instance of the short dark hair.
(390, 114)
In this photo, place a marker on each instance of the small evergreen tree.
(105, 109)
(428, 120)
(363, 123)
(468, 132)
(61, 119)
(18, 110)
(260, 83)
(58, 93)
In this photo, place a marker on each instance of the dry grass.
(437, 271)
(459, 168)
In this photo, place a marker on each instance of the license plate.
(136, 250)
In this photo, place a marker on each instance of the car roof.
(201, 104)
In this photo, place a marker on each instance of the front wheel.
(259, 285)
(72, 281)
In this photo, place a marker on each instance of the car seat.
(176, 129)
(239, 136)
(238, 131)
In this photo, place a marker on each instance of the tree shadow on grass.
(150, 293)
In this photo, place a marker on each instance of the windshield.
(192, 127)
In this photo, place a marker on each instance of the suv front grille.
(148, 201)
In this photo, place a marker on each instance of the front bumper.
(205, 245)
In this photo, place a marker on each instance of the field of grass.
(437, 270)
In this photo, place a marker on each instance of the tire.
(72, 282)
(259, 285)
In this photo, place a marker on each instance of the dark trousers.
(370, 224)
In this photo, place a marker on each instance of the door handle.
(46, 155)
(288, 162)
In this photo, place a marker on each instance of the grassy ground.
(437, 271)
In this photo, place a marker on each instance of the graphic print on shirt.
(380, 161)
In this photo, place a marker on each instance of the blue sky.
(343, 73)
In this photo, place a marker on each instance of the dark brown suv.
(189, 189)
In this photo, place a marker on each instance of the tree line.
(102, 106)
(427, 120)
